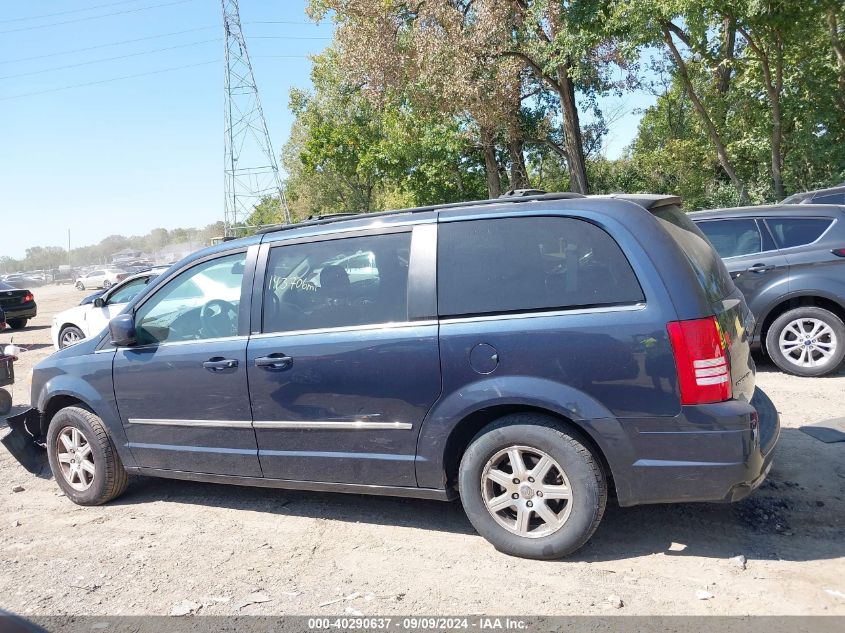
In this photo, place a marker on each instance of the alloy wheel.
(76, 460)
(69, 337)
(807, 342)
(526, 491)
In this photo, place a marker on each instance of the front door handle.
(759, 268)
(218, 364)
(274, 362)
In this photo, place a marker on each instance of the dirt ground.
(176, 547)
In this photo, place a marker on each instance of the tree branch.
(535, 67)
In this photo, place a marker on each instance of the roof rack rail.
(521, 193)
(336, 217)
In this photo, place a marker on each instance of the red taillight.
(27, 298)
(704, 372)
(839, 252)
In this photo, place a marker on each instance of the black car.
(529, 355)
(830, 195)
(18, 304)
(789, 262)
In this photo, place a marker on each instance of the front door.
(340, 375)
(182, 389)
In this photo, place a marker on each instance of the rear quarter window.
(791, 232)
(530, 264)
(709, 268)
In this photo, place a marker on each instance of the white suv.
(100, 278)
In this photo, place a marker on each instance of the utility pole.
(250, 167)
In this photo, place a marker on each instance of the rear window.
(791, 232)
(530, 264)
(705, 261)
(830, 198)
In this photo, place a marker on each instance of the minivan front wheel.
(531, 488)
(83, 458)
(807, 341)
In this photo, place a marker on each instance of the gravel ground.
(178, 547)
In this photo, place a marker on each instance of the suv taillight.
(839, 252)
(27, 298)
(704, 372)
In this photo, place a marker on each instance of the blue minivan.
(529, 355)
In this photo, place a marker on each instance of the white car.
(100, 278)
(81, 322)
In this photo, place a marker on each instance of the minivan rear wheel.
(83, 458)
(532, 488)
(807, 341)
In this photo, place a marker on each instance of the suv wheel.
(530, 488)
(807, 341)
(83, 458)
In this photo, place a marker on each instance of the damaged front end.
(25, 441)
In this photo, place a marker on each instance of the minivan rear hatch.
(735, 321)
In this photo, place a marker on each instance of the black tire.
(106, 284)
(5, 402)
(17, 324)
(69, 329)
(80, 285)
(110, 478)
(820, 314)
(587, 483)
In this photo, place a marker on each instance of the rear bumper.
(715, 452)
(24, 311)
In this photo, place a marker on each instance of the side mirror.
(122, 330)
(99, 302)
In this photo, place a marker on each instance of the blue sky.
(130, 155)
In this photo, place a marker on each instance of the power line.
(96, 17)
(109, 59)
(107, 45)
(285, 37)
(104, 81)
(53, 15)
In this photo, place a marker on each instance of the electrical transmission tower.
(251, 169)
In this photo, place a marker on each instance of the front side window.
(733, 238)
(337, 283)
(201, 303)
(791, 232)
(128, 291)
(533, 263)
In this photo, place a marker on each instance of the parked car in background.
(21, 281)
(18, 304)
(831, 195)
(100, 278)
(789, 262)
(64, 275)
(78, 323)
(524, 354)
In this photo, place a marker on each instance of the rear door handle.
(274, 362)
(218, 364)
(759, 268)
